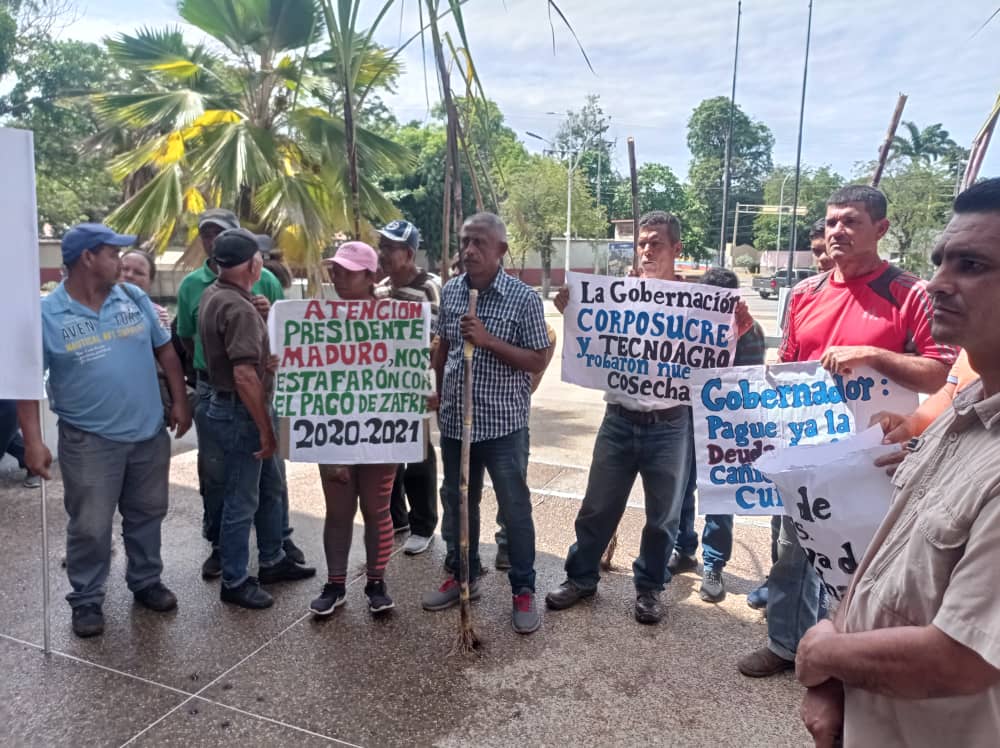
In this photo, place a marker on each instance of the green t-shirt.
(189, 296)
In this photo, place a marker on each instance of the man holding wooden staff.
(508, 331)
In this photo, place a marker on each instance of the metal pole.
(781, 210)
(798, 152)
(569, 211)
(46, 637)
(736, 226)
(729, 141)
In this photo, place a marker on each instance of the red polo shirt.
(888, 308)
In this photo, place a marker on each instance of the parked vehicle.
(768, 287)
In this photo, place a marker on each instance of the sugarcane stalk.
(609, 553)
(467, 642)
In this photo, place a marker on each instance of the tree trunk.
(352, 162)
(546, 273)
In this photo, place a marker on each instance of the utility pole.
(729, 142)
(798, 153)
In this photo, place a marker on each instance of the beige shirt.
(936, 560)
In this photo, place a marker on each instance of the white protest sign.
(21, 333)
(744, 412)
(837, 499)
(353, 380)
(644, 337)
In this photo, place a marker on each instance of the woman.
(353, 271)
(139, 269)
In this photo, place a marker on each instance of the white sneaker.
(416, 544)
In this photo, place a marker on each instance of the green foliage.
(929, 146)
(815, 186)
(585, 131)
(72, 183)
(750, 161)
(919, 196)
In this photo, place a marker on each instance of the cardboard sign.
(645, 337)
(837, 499)
(353, 380)
(743, 413)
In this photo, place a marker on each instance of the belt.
(643, 417)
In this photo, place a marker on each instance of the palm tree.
(925, 146)
(236, 130)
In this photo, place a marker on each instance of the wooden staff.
(634, 174)
(883, 152)
(467, 640)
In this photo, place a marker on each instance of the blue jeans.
(212, 471)
(10, 436)
(251, 493)
(716, 538)
(100, 476)
(792, 594)
(506, 459)
(660, 453)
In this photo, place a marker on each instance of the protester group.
(911, 656)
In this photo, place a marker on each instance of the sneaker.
(502, 560)
(156, 597)
(247, 595)
(446, 596)
(88, 620)
(681, 562)
(286, 570)
(757, 599)
(525, 618)
(713, 589)
(417, 544)
(293, 552)
(648, 609)
(566, 595)
(763, 663)
(378, 599)
(212, 568)
(32, 481)
(331, 598)
(397, 530)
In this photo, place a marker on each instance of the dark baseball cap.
(224, 219)
(86, 236)
(234, 247)
(402, 231)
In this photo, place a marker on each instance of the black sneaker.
(156, 597)
(212, 568)
(88, 620)
(647, 607)
(681, 562)
(247, 595)
(378, 599)
(567, 595)
(293, 552)
(331, 598)
(285, 570)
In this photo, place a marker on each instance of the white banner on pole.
(645, 337)
(353, 381)
(20, 303)
(837, 499)
(744, 412)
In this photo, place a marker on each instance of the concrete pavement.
(211, 675)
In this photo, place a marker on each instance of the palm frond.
(153, 211)
(233, 156)
(162, 110)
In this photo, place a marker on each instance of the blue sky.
(655, 60)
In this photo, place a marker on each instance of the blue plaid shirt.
(511, 311)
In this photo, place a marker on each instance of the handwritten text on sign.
(644, 337)
(744, 412)
(353, 379)
(837, 500)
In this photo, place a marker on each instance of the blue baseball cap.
(86, 236)
(402, 231)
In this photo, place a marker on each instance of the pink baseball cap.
(356, 256)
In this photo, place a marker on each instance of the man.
(240, 421)
(637, 437)
(817, 245)
(863, 312)
(914, 655)
(717, 536)
(508, 332)
(99, 341)
(397, 249)
(267, 290)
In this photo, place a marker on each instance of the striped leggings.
(372, 484)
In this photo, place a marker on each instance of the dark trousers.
(416, 482)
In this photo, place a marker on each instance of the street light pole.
(729, 143)
(781, 210)
(798, 151)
